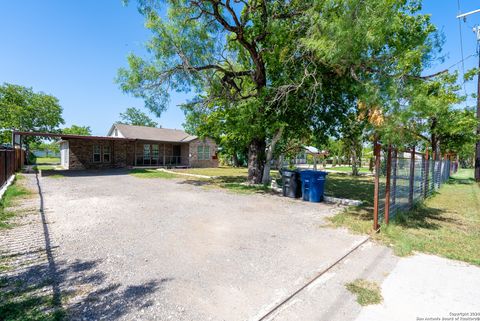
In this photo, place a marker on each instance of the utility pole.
(477, 145)
(476, 30)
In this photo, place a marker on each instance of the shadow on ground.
(422, 217)
(233, 183)
(346, 186)
(35, 286)
(84, 173)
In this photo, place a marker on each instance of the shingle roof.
(152, 133)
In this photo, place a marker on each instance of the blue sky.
(73, 49)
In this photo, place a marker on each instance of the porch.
(160, 154)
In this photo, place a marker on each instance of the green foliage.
(431, 116)
(280, 69)
(77, 130)
(48, 160)
(377, 43)
(470, 74)
(134, 116)
(47, 147)
(23, 109)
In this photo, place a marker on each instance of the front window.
(106, 154)
(96, 154)
(203, 152)
(154, 154)
(146, 154)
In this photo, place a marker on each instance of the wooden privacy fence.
(403, 178)
(11, 160)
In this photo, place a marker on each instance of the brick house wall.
(81, 154)
(193, 153)
(122, 153)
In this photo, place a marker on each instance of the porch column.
(135, 153)
(164, 155)
(112, 161)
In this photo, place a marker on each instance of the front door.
(177, 152)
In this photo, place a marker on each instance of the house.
(129, 146)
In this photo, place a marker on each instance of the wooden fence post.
(387, 184)
(376, 149)
(412, 177)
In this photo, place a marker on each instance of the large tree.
(269, 70)
(23, 109)
(134, 116)
(244, 61)
(430, 115)
(77, 130)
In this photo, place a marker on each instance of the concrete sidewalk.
(427, 286)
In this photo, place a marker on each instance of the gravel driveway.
(159, 249)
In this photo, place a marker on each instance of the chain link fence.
(403, 178)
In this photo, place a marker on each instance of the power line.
(462, 61)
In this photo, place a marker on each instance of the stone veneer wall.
(81, 154)
(193, 149)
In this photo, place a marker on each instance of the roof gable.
(153, 133)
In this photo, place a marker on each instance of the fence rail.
(405, 178)
(11, 160)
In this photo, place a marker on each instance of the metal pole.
(412, 177)
(387, 184)
(376, 149)
(426, 168)
(135, 153)
(477, 148)
(394, 183)
(164, 155)
(468, 13)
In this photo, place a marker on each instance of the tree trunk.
(280, 162)
(268, 160)
(256, 157)
(235, 159)
(354, 161)
(433, 138)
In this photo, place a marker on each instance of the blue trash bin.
(313, 185)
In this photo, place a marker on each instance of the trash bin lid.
(288, 172)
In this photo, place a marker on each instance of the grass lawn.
(152, 173)
(352, 187)
(367, 292)
(13, 193)
(347, 169)
(337, 184)
(446, 224)
(46, 163)
(218, 171)
(47, 160)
